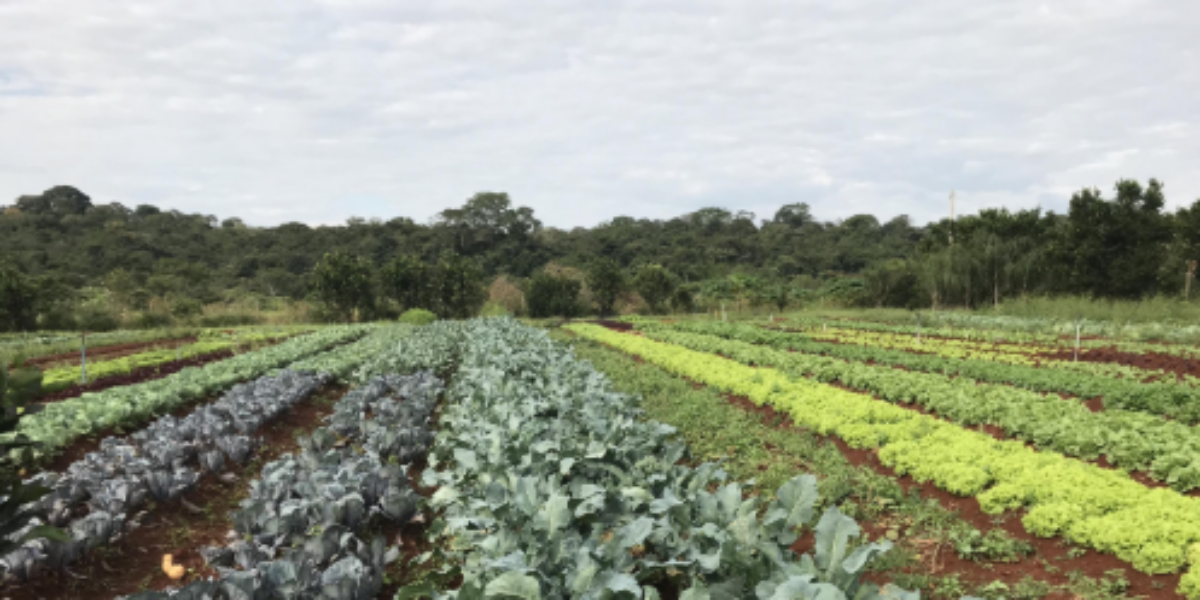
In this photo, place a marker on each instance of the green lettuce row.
(1169, 451)
(60, 423)
(65, 377)
(1180, 402)
(1153, 529)
(1009, 353)
(975, 327)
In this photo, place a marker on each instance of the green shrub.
(229, 320)
(417, 316)
(494, 309)
(95, 319)
(184, 308)
(550, 295)
(151, 320)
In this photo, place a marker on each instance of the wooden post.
(824, 323)
(83, 358)
(1191, 274)
(1078, 322)
(918, 329)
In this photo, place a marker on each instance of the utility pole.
(951, 217)
(950, 263)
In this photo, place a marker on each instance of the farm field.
(1094, 454)
(687, 458)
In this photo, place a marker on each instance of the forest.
(67, 261)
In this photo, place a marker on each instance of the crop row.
(1179, 402)
(44, 344)
(553, 487)
(1016, 355)
(943, 326)
(306, 530)
(64, 377)
(95, 497)
(1168, 450)
(1151, 528)
(63, 422)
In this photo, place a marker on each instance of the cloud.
(318, 110)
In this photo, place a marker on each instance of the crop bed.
(134, 376)
(690, 460)
(1150, 528)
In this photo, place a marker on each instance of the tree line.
(66, 261)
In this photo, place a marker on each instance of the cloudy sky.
(318, 110)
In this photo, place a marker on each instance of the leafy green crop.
(62, 422)
(1167, 450)
(1103, 509)
(552, 486)
(1179, 401)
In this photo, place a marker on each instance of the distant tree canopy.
(1125, 246)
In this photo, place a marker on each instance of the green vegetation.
(1100, 508)
(417, 316)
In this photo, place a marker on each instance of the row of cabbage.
(1178, 402)
(97, 496)
(60, 423)
(553, 486)
(1157, 530)
(1166, 450)
(382, 340)
(306, 530)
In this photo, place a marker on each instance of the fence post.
(83, 358)
(1078, 322)
(918, 329)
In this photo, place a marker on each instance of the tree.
(1114, 248)
(655, 284)
(343, 283)
(683, 300)
(552, 295)
(607, 282)
(778, 295)
(408, 280)
(458, 287)
(18, 301)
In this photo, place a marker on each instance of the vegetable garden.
(646, 459)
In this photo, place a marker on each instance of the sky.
(320, 110)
